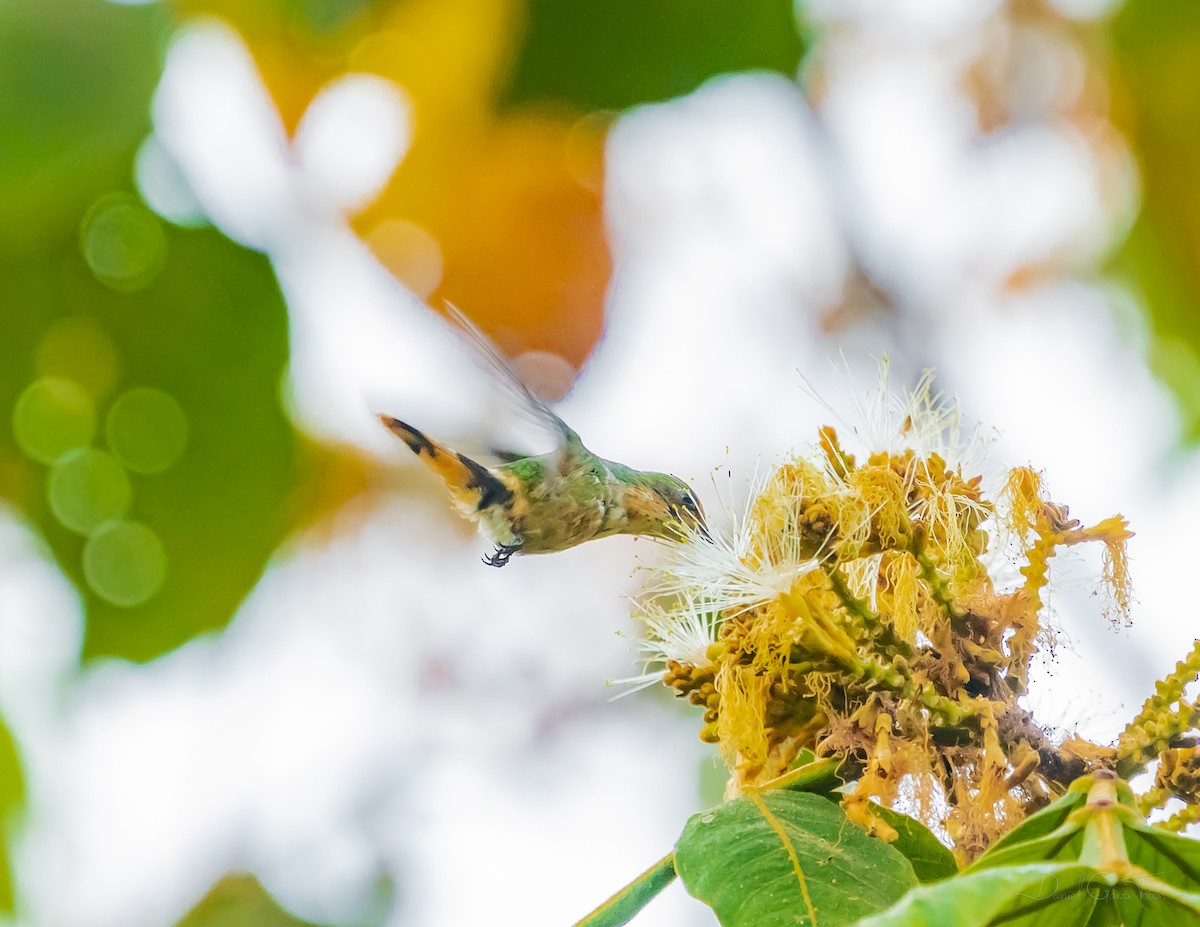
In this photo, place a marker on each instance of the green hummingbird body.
(557, 505)
(550, 502)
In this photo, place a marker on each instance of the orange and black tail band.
(491, 490)
(470, 482)
(417, 442)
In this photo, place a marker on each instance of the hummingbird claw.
(502, 555)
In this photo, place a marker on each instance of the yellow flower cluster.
(853, 614)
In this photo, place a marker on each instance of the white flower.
(920, 419)
(679, 631)
(704, 580)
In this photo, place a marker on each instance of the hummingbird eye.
(689, 503)
(689, 506)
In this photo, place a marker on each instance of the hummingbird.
(549, 502)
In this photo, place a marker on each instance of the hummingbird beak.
(693, 520)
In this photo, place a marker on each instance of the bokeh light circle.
(411, 253)
(52, 416)
(549, 375)
(77, 348)
(147, 429)
(123, 242)
(86, 488)
(124, 563)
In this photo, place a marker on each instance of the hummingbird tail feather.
(416, 441)
(472, 485)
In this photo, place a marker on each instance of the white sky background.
(385, 705)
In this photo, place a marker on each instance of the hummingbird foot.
(502, 555)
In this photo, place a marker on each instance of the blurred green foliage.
(239, 901)
(621, 53)
(149, 445)
(325, 16)
(209, 333)
(12, 799)
(1157, 107)
(75, 83)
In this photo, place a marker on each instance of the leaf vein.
(755, 796)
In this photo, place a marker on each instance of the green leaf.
(1138, 874)
(1039, 824)
(1062, 845)
(821, 777)
(803, 757)
(1150, 903)
(620, 53)
(783, 857)
(1170, 857)
(931, 859)
(1104, 915)
(622, 906)
(1037, 895)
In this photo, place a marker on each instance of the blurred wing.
(537, 430)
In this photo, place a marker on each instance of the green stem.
(887, 676)
(869, 618)
(621, 907)
(1103, 836)
(938, 588)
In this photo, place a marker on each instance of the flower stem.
(621, 907)
(859, 609)
(1104, 837)
(939, 590)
